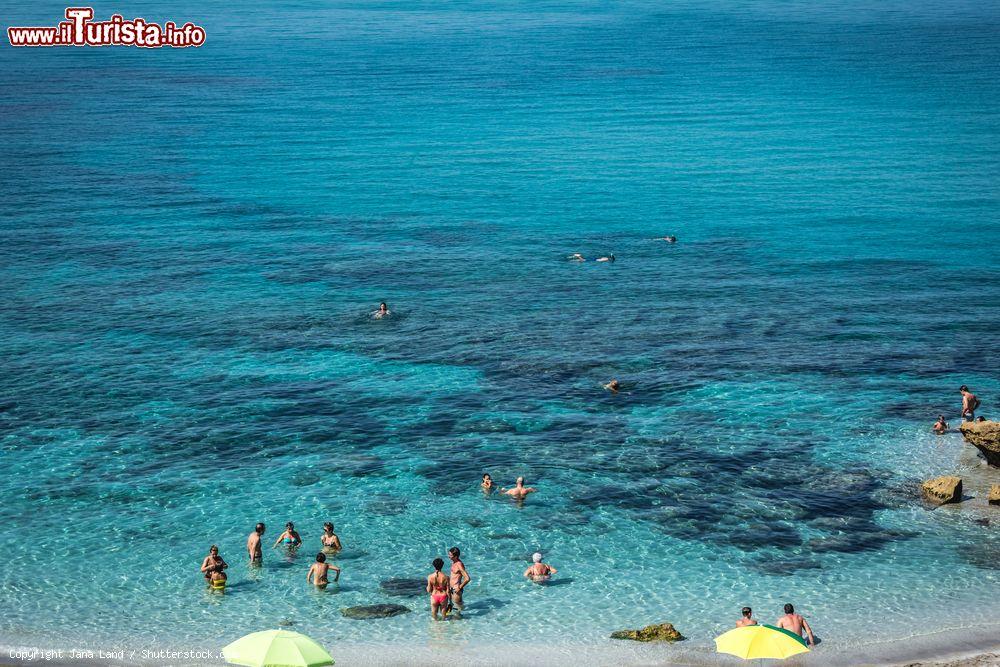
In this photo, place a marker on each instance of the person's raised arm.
(809, 632)
(204, 565)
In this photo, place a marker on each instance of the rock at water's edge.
(664, 632)
(374, 611)
(947, 489)
(986, 438)
(995, 494)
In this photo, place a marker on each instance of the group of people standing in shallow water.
(445, 591)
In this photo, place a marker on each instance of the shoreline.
(965, 647)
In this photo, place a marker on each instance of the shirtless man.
(212, 567)
(457, 582)
(940, 426)
(969, 403)
(668, 239)
(539, 572)
(331, 543)
(519, 491)
(317, 574)
(253, 545)
(437, 586)
(613, 386)
(795, 623)
(608, 258)
(747, 618)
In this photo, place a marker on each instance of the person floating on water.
(539, 572)
(577, 257)
(613, 386)
(609, 258)
(519, 490)
(437, 586)
(331, 543)
(668, 239)
(383, 311)
(488, 486)
(940, 426)
(747, 618)
(289, 538)
(212, 567)
(795, 623)
(319, 571)
(457, 582)
(253, 545)
(969, 403)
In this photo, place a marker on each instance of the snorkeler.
(437, 586)
(383, 311)
(331, 543)
(668, 239)
(519, 490)
(747, 618)
(319, 570)
(289, 537)
(613, 386)
(457, 581)
(539, 571)
(576, 257)
(488, 486)
(609, 258)
(253, 544)
(212, 567)
(940, 426)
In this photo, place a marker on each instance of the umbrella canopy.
(276, 648)
(760, 641)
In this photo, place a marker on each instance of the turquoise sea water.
(191, 243)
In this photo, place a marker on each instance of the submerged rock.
(985, 436)
(947, 489)
(994, 498)
(374, 611)
(662, 632)
(404, 587)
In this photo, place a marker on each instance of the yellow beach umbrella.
(760, 641)
(276, 648)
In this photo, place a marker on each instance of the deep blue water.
(191, 243)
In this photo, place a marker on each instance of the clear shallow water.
(191, 242)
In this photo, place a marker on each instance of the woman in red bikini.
(437, 586)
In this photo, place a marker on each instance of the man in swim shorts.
(319, 570)
(747, 618)
(795, 623)
(519, 491)
(253, 545)
(969, 403)
(539, 572)
(437, 586)
(458, 580)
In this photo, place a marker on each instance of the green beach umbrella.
(276, 648)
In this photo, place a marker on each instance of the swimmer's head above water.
(487, 480)
(536, 557)
(747, 612)
(613, 385)
(259, 528)
(328, 527)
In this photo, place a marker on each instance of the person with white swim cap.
(539, 571)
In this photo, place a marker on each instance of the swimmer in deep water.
(613, 386)
(383, 311)
(519, 490)
(212, 567)
(940, 426)
(668, 239)
(319, 570)
(253, 545)
(747, 618)
(577, 257)
(290, 537)
(539, 572)
(609, 258)
(331, 543)
(437, 586)
(488, 486)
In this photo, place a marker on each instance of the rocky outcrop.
(947, 489)
(986, 438)
(374, 611)
(995, 494)
(663, 632)
(404, 587)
